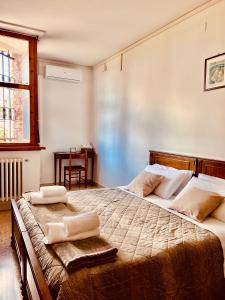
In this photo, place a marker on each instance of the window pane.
(14, 60)
(14, 116)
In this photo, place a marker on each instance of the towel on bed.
(81, 223)
(37, 198)
(87, 252)
(53, 190)
(56, 233)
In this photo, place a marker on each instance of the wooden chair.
(76, 171)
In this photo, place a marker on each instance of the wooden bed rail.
(33, 283)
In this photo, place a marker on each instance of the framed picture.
(214, 72)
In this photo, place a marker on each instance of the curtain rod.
(22, 29)
(165, 27)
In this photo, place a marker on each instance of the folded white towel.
(81, 223)
(54, 190)
(56, 233)
(37, 198)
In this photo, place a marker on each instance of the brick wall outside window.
(18, 100)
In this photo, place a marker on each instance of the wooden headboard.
(198, 165)
(173, 160)
(211, 167)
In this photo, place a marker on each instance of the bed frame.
(173, 160)
(33, 284)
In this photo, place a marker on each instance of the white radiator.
(11, 178)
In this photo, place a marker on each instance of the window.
(18, 91)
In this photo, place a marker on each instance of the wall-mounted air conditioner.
(62, 73)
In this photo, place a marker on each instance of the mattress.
(161, 255)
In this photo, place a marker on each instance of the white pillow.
(212, 179)
(204, 185)
(212, 186)
(188, 175)
(173, 179)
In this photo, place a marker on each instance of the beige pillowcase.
(196, 203)
(145, 183)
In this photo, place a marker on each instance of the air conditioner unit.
(62, 73)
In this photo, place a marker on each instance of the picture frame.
(214, 75)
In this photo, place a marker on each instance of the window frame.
(32, 87)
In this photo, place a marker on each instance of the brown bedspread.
(77, 254)
(161, 256)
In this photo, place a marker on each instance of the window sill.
(21, 148)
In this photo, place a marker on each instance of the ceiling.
(86, 32)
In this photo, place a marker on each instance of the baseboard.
(6, 205)
(46, 184)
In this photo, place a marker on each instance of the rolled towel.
(37, 198)
(56, 233)
(54, 190)
(81, 223)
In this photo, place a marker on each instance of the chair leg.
(85, 179)
(69, 180)
(64, 178)
(79, 175)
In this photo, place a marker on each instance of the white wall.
(158, 102)
(64, 110)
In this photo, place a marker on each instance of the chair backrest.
(81, 156)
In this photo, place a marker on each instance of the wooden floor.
(9, 270)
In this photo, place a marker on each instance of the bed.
(161, 254)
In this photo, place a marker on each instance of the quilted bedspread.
(161, 256)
